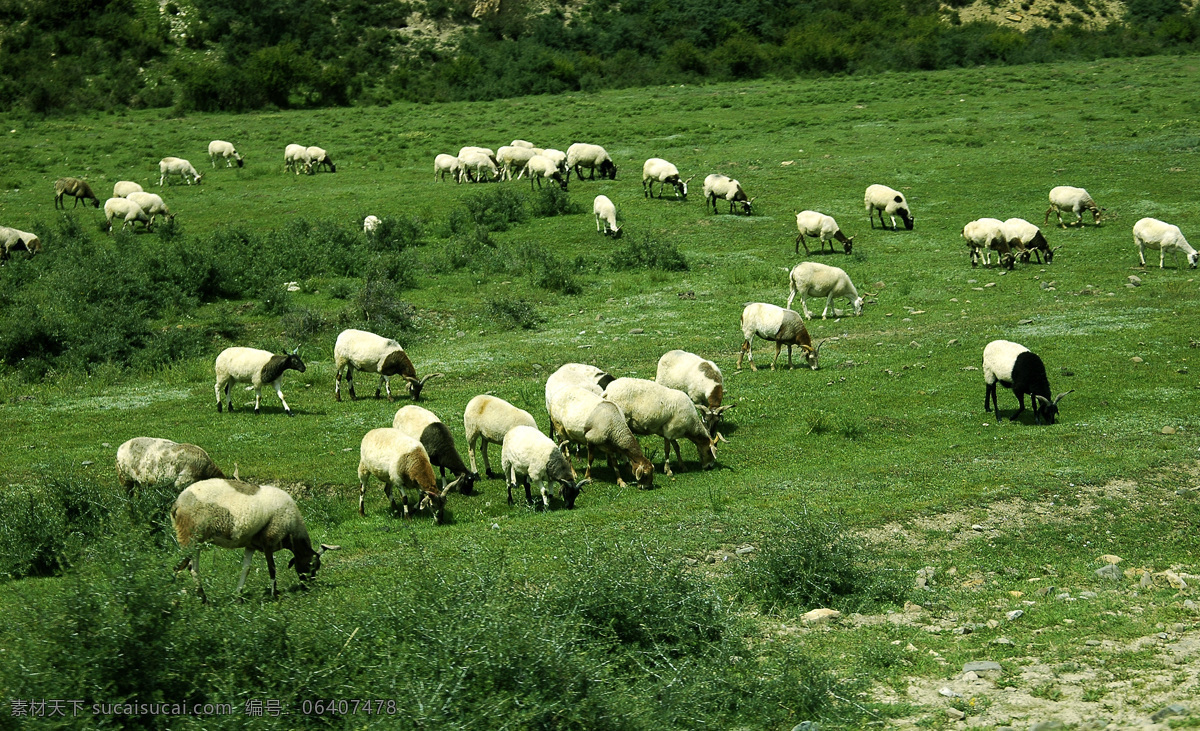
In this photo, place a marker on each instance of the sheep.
(371, 353)
(882, 199)
(1150, 233)
(1016, 367)
(527, 455)
(177, 166)
(540, 167)
(651, 408)
(370, 223)
(258, 368)
(783, 326)
(221, 148)
(12, 239)
(295, 156)
(483, 167)
(985, 235)
(700, 379)
(122, 188)
(587, 418)
(818, 225)
(470, 151)
(557, 156)
(1024, 237)
(318, 157)
(513, 159)
(77, 189)
(398, 460)
(606, 212)
(152, 204)
(811, 279)
(657, 170)
(586, 376)
(146, 461)
(726, 188)
(1077, 200)
(125, 209)
(583, 155)
(235, 514)
(447, 164)
(489, 418)
(521, 143)
(424, 426)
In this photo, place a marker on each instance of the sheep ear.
(1064, 393)
(326, 547)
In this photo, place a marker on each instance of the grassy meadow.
(636, 610)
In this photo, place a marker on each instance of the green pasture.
(890, 430)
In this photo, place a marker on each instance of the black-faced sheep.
(1076, 200)
(657, 170)
(783, 327)
(152, 204)
(1014, 366)
(295, 157)
(593, 157)
(539, 167)
(77, 189)
(528, 456)
(169, 166)
(424, 426)
(126, 210)
(886, 200)
(811, 279)
(371, 353)
(400, 461)
(317, 158)
(223, 149)
(606, 214)
(985, 235)
(726, 188)
(1026, 239)
(822, 227)
(12, 239)
(258, 368)
(146, 461)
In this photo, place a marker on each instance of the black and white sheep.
(822, 227)
(223, 149)
(529, 456)
(812, 279)
(371, 353)
(398, 460)
(985, 235)
(234, 514)
(258, 368)
(606, 216)
(478, 167)
(77, 189)
(699, 378)
(318, 157)
(12, 239)
(1025, 238)
(781, 326)
(1016, 367)
(424, 426)
(146, 461)
(169, 166)
(593, 157)
(585, 418)
(657, 170)
(444, 165)
(886, 200)
(1151, 233)
(1075, 200)
(513, 161)
(489, 418)
(725, 188)
(651, 408)
(539, 167)
(295, 157)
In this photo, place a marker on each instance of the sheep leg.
(337, 384)
(279, 393)
(778, 347)
(800, 240)
(384, 383)
(486, 462)
(350, 381)
(257, 399)
(989, 394)
(667, 457)
(249, 556)
(192, 562)
(789, 356)
(217, 386)
(528, 494)
(271, 570)
(363, 476)
(590, 455)
(746, 347)
(1162, 255)
(1021, 400)
(612, 465)
(804, 306)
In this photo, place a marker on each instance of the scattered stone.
(1066, 597)
(1015, 615)
(1047, 726)
(1045, 590)
(914, 344)
(910, 608)
(817, 616)
(744, 550)
(710, 559)
(599, 318)
(992, 624)
(1189, 604)
(1135, 280)
(970, 677)
(1172, 578)
(1168, 430)
(1110, 572)
(982, 666)
(953, 342)
(1026, 321)
(977, 527)
(807, 726)
(1146, 581)
(947, 693)
(1175, 709)
(87, 463)
(1136, 359)
(105, 444)
(1002, 641)
(955, 715)
(990, 284)
(1088, 594)
(495, 526)
(1044, 285)
(1092, 643)
(636, 331)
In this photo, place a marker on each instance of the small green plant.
(647, 253)
(395, 233)
(1048, 691)
(557, 275)
(852, 429)
(512, 314)
(553, 201)
(819, 422)
(380, 308)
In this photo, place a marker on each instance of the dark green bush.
(381, 310)
(395, 233)
(647, 253)
(557, 275)
(511, 314)
(45, 527)
(553, 201)
(495, 210)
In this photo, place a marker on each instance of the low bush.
(553, 201)
(647, 253)
(511, 314)
(45, 527)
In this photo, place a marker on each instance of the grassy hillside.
(635, 609)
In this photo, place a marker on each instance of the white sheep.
(223, 149)
(1150, 233)
(177, 166)
(126, 210)
(583, 375)
(540, 166)
(370, 223)
(1076, 200)
(489, 418)
(152, 204)
(528, 456)
(723, 187)
(583, 155)
(699, 378)
(122, 188)
(886, 200)
(778, 325)
(521, 143)
(370, 353)
(146, 461)
(234, 514)
(985, 235)
(317, 157)
(446, 164)
(1028, 239)
(657, 170)
(606, 212)
(651, 408)
(472, 151)
(478, 167)
(558, 156)
(811, 279)
(398, 460)
(12, 239)
(818, 225)
(513, 159)
(296, 156)
(586, 418)
(425, 426)
(258, 368)
(77, 189)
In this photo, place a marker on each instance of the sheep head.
(570, 491)
(416, 384)
(747, 205)
(1046, 409)
(436, 502)
(858, 305)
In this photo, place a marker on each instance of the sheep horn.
(1064, 393)
(721, 437)
(431, 375)
(722, 409)
(326, 547)
(1042, 399)
(1056, 248)
(817, 351)
(704, 410)
(412, 379)
(582, 482)
(235, 472)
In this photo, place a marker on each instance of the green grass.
(890, 430)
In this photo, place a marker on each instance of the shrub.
(381, 309)
(647, 253)
(510, 314)
(495, 210)
(395, 233)
(553, 201)
(44, 528)
(557, 275)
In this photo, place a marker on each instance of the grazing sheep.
(557, 156)
(657, 170)
(126, 210)
(726, 188)
(152, 204)
(606, 212)
(234, 514)
(651, 408)
(258, 368)
(1076, 200)
(513, 159)
(527, 455)
(783, 326)
(700, 379)
(221, 148)
(586, 418)
(886, 200)
(446, 164)
(985, 235)
(470, 151)
(1025, 238)
(811, 279)
(398, 460)
(478, 167)
(818, 225)
(521, 143)
(424, 426)
(371, 353)
(588, 377)
(1015, 366)
(122, 188)
(370, 223)
(489, 418)
(177, 166)
(146, 461)
(12, 240)
(319, 158)
(540, 166)
(77, 189)
(1151, 233)
(582, 155)
(295, 156)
